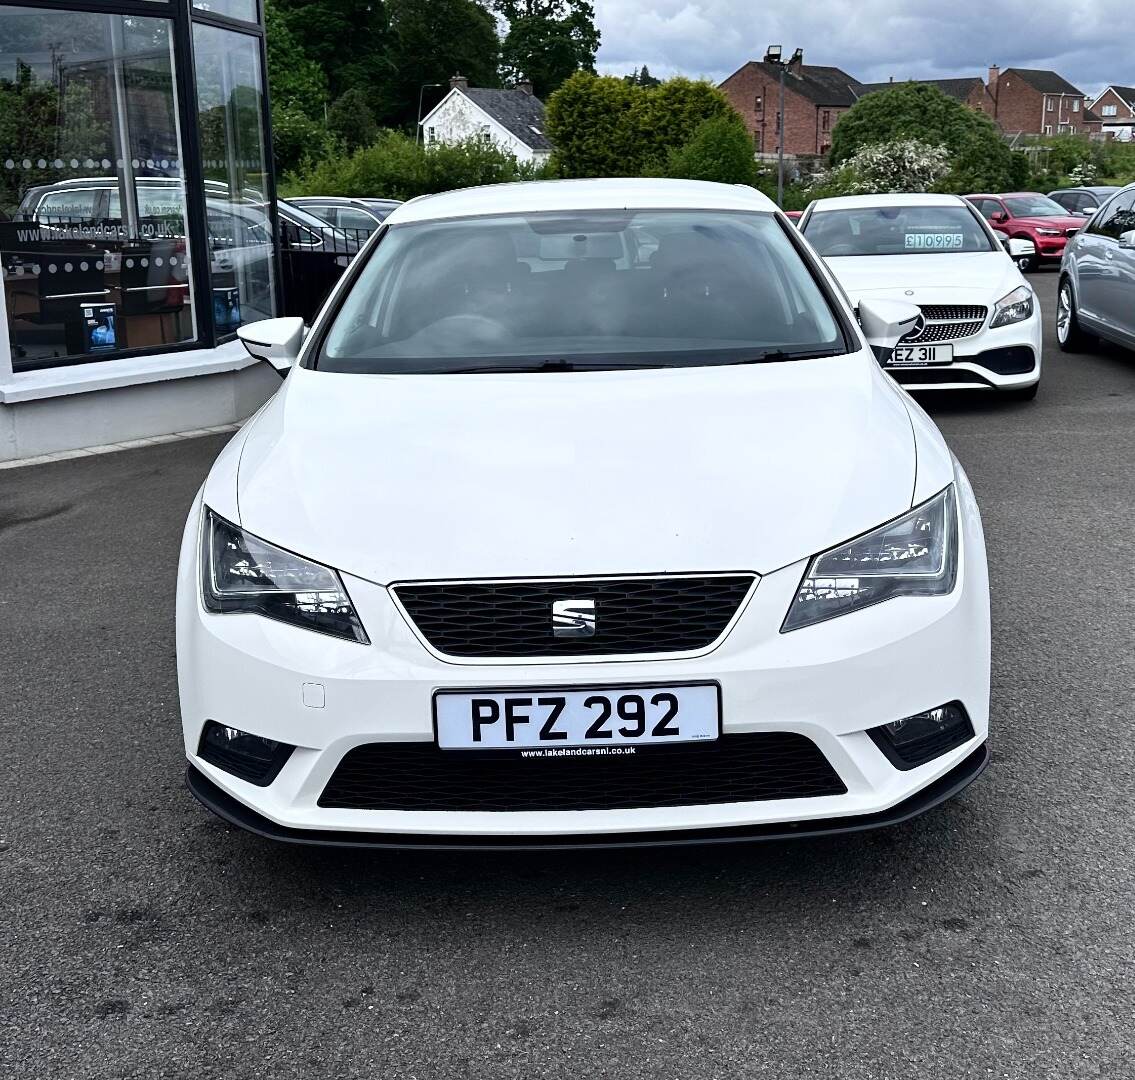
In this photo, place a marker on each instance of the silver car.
(1097, 278)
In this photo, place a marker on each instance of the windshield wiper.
(545, 365)
(774, 356)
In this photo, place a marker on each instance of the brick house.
(1116, 109)
(1033, 102)
(971, 91)
(815, 97)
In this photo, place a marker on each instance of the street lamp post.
(421, 92)
(774, 55)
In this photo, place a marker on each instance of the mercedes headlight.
(914, 555)
(242, 573)
(1014, 308)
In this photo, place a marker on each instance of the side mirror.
(885, 323)
(1000, 215)
(1127, 239)
(1019, 248)
(1087, 211)
(277, 341)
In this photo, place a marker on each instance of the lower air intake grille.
(673, 613)
(735, 768)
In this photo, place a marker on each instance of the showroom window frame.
(182, 17)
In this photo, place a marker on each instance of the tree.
(352, 121)
(430, 40)
(902, 165)
(586, 120)
(346, 39)
(298, 93)
(605, 126)
(979, 157)
(548, 41)
(641, 77)
(665, 117)
(721, 150)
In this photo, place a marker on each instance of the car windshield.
(1035, 206)
(595, 289)
(896, 230)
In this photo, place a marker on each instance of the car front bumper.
(830, 682)
(977, 359)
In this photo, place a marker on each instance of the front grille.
(954, 312)
(735, 768)
(632, 615)
(948, 322)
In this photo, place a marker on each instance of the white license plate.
(594, 717)
(921, 355)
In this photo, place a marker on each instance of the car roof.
(536, 196)
(859, 202)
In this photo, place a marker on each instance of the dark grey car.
(1097, 277)
(1084, 201)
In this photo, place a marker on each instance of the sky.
(1089, 42)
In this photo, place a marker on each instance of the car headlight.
(242, 573)
(1016, 307)
(1050, 232)
(914, 555)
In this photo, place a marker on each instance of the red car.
(1028, 215)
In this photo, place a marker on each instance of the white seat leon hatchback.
(585, 515)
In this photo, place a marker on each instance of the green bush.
(351, 120)
(720, 150)
(980, 159)
(605, 126)
(394, 166)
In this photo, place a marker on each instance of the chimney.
(459, 82)
(892, 79)
(994, 75)
(525, 86)
(796, 62)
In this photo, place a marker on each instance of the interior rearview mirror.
(885, 323)
(277, 341)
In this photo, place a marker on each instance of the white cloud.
(1087, 41)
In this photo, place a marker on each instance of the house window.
(1048, 129)
(826, 120)
(431, 135)
(1075, 104)
(758, 104)
(1050, 104)
(1110, 110)
(486, 136)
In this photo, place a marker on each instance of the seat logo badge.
(573, 618)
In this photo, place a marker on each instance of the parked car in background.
(1083, 201)
(1028, 215)
(980, 324)
(653, 643)
(794, 215)
(1096, 295)
(361, 216)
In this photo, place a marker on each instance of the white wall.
(457, 118)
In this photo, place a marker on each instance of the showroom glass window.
(93, 234)
(235, 166)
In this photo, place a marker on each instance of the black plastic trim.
(892, 753)
(942, 789)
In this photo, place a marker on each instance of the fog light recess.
(249, 757)
(920, 738)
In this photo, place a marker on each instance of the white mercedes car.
(585, 515)
(981, 323)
